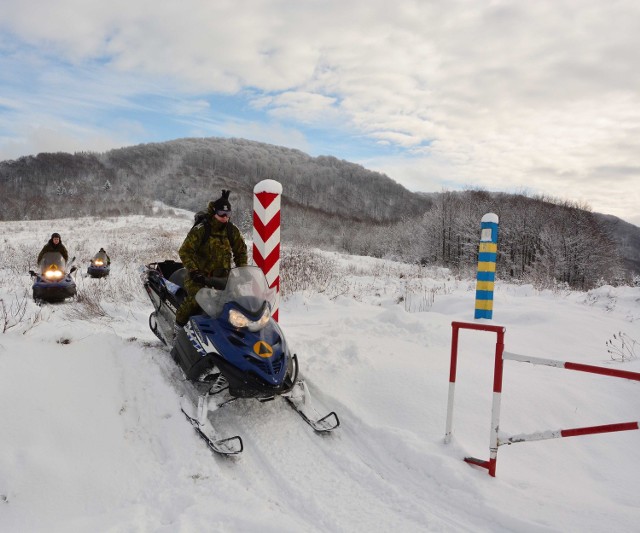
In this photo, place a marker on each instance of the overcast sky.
(529, 96)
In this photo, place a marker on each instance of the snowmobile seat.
(178, 277)
(168, 268)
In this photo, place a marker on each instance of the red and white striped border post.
(266, 233)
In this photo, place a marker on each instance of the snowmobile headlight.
(53, 274)
(238, 320)
(98, 262)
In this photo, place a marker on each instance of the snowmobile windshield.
(52, 266)
(100, 259)
(246, 286)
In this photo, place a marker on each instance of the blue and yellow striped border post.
(486, 266)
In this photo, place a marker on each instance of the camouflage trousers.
(189, 306)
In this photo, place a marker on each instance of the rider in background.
(54, 245)
(106, 256)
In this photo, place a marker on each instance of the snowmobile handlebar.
(216, 282)
(71, 271)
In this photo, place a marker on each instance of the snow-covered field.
(92, 438)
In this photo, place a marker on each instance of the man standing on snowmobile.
(206, 252)
(54, 245)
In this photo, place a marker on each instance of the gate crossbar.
(497, 440)
(574, 432)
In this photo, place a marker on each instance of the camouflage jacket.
(50, 247)
(213, 257)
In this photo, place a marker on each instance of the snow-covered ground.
(92, 438)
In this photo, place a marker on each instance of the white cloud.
(299, 106)
(504, 94)
(189, 107)
(59, 138)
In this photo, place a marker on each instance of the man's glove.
(197, 277)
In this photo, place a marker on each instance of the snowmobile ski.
(299, 399)
(321, 425)
(228, 446)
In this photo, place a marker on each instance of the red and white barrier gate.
(266, 233)
(500, 356)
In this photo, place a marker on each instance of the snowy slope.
(92, 438)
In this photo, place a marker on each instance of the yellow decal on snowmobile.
(263, 349)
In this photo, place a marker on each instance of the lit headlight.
(98, 262)
(238, 320)
(53, 274)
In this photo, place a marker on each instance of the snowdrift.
(93, 438)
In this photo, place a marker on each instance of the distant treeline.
(542, 241)
(327, 203)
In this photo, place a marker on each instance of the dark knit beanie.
(54, 235)
(222, 203)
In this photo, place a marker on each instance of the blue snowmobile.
(100, 265)
(234, 349)
(53, 283)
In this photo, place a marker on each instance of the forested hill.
(627, 239)
(330, 204)
(187, 172)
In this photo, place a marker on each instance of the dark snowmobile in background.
(99, 265)
(53, 281)
(234, 349)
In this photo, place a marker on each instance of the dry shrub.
(302, 269)
(88, 303)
